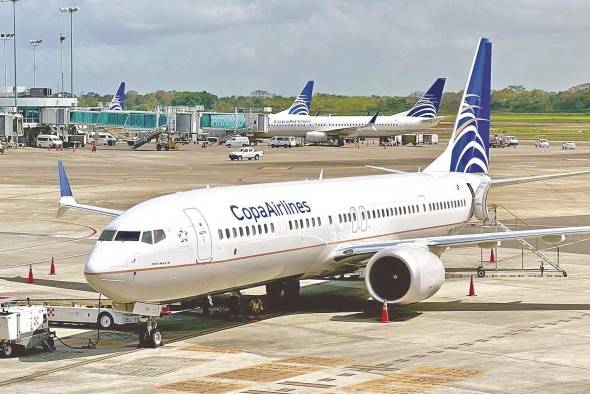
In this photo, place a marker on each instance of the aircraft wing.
(66, 199)
(344, 131)
(440, 243)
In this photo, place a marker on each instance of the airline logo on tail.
(471, 134)
(118, 101)
(469, 146)
(427, 106)
(302, 103)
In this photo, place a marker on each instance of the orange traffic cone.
(30, 279)
(384, 313)
(52, 268)
(492, 256)
(471, 288)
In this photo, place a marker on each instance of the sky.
(232, 47)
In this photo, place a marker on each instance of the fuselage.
(300, 125)
(208, 241)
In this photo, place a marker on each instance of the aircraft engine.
(404, 274)
(316, 136)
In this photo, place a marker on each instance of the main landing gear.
(284, 289)
(150, 335)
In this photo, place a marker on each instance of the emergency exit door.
(202, 233)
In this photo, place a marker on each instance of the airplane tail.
(302, 103)
(118, 101)
(469, 146)
(427, 106)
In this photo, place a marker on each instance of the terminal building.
(39, 111)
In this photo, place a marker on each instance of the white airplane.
(192, 244)
(296, 121)
(118, 101)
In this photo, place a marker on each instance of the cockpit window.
(159, 235)
(127, 236)
(107, 235)
(146, 237)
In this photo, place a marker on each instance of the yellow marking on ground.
(210, 349)
(416, 380)
(202, 386)
(310, 360)
(265, 373)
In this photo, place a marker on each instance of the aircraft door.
(354, 220)
(363, 219)
(203, 235)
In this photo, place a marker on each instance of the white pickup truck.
(246, 153)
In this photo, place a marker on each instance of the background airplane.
(296, 121)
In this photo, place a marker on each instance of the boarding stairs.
(526, 245)
(144, 140)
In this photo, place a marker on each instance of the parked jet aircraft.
(118, 101)
(296, 121)
(197, 243)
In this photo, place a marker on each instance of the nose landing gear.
(150, 335)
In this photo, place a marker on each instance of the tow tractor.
(24, 327)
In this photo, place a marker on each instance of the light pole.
(14, 55)
(5, 37)
(35, 44)
(71, 11)
(61, 61)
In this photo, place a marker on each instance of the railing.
(525, 244)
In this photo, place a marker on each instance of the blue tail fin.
(302, 103)
(469, 146)
(118, 100)
(427, 106)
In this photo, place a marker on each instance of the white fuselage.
(235, 237)
(299, 125)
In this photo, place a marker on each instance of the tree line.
(515, 98)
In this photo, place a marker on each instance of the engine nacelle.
(404, 274)
(316, 136)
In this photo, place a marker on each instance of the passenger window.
(227, 233)
(340, 218)
(272, 227)
(265, 229)
(260, 229)
(253, 229)
(219, 231)
(319, 222)
(362, 215)
(107, 235)
(354, 216)
(127, 236)
(247, 231)
(307, 222)
(146, 237)
(235, 233)
(313, 222)
(296, 225)
(301, 223)
(330, 219)
(290, 225)
(241, 231)
(159, 235)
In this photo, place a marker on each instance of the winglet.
(373, 119)
(64, 185)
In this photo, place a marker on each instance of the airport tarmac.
(519, 334)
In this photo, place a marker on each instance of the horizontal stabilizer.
(525, 179)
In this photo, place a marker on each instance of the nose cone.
(106, 271)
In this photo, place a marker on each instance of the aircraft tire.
(155, 338)
(292, 289)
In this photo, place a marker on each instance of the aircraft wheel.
(292, 288)
(274, 290)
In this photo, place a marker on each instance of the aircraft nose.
(105, 271)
